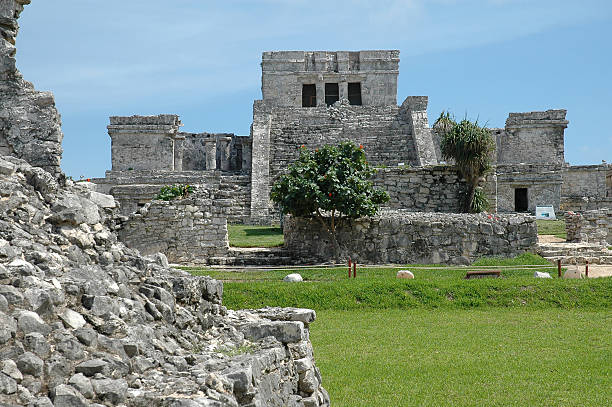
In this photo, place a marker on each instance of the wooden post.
(354, 270)
(349, 264)
(559, 268)
(586, 270)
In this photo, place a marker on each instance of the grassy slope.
(552, 227)
(254, 236)
(433, 287)
(497, 357)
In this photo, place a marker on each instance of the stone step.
(580, 259)
(258, 256)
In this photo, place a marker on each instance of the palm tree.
(470, 146)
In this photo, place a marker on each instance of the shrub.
(170, 192)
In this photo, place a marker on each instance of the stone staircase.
(256, 256)
(575, 253)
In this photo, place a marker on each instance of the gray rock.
(9, 328)
(90, 367)
(7, 384)
(24, 268)
(10, 369)
(67, 396)
(35, 342)
(3, 303)
(285, 332)
(111, 391)
(41, 402)
(293, 278)
(29, 363)
(87, 336)
(12, 295)
(102, 200)
(82, 384)
(539, 274)
(29, 321)
(72, 319)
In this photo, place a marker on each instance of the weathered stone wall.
(409, 237)
(585, 181)
(543, 183)
(284, 73)
(427, 189)
(386, 135)
(589, 226)
(144, 142)
(533, 138)
(133, 189)
(585, 188)
(187, 231)
(30, 126)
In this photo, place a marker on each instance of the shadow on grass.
(263, 232)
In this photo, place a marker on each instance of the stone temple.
(324, 97)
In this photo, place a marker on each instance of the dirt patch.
(596, 270)
(550, 239)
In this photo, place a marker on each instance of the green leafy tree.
(470, 146)
(329, 184)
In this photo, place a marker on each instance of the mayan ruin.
(354, 249)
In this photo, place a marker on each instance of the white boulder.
(293, 278)
(405, 274)
(539, 274)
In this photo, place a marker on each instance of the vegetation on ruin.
(470, 146)
(254, 236)
(552, 227)
(328, 183)
(442, 340)
(170, 192)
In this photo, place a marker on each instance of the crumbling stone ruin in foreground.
(86, 321)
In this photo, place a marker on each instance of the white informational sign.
(545, 212)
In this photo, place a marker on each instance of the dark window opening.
(309, 95)
(332, 93)
(354, 93)
(521, 202)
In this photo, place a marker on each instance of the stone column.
(210, 145)
(320, 92)
(224, 149)
(178, 152)
(343, 88)
(246, 154)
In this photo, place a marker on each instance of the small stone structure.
(590, 227)
(587, 187)
(187, 231)
(402, 237)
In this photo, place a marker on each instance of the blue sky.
(200, 59)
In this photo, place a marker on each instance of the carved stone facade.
(322, 97)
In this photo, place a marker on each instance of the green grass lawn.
(493, 357)
(552, 227)
(441, 340)
(254, 236)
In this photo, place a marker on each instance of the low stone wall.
(133, 189)
(427, 189)
(187, 231)
(582, 204)
(589, 227)
(411, 237)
